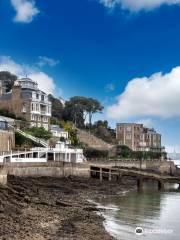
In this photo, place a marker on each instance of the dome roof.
(27, 83)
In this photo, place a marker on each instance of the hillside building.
(138, 138)
(27, 101)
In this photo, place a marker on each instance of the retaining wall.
(7, 140)
(160, 166)
(60, 169)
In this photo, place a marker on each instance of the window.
(33, 117)
(32, 107)
(45, 119)
(37, 107)
(42, 98)
(128, 136)
(128, 129)
(37, 96)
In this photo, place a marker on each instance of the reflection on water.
(151, 210)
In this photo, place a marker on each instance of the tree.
(72, 133)
(92, 106)
(74, 110)
(7, 79)
(57, 107)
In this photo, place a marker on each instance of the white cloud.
(137, 5)
(109, 87)
(154, 96)
(26, 10)
(172, 148)
(43, 60)
(147, 122)
(46, 83)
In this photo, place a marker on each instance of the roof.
(2, 120)
(26, 79)
(6, 119)
(56, 128)
(6, 96)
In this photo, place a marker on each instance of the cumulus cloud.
(154, 96)
(147, 122)
(137, 5)
(26, 10)
(46, 83)
(43, 61)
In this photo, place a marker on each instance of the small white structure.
(58, 132)
(61, 153)
(10, 121)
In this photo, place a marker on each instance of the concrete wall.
(48, 169)
(7, 140)
(153, 165)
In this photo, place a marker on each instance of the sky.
(124, 53)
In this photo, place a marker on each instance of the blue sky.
(106, 49)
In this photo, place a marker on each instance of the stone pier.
(117, 173)
(3, 176)
(140, 183)
(160, 185)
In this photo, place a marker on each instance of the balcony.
(23, 110)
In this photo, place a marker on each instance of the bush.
(94, 153)
(40, 133)
(72, 133)
(6, 113)
(126, 152)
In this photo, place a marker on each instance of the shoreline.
(53, 208)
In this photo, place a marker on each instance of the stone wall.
(3, 175)
(53, 169)
(163, 167)
(7, 140)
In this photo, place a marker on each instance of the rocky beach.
(51, 208)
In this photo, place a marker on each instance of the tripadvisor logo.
(139, 231)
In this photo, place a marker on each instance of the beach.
(54, 208)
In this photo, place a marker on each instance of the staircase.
(39, 141)
(32, 138)
(93, 142)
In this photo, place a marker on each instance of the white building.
(40, 106)
(61, 153)
(28, 102)
(59, 132)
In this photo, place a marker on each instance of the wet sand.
(51, 208)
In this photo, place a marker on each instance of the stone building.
(7, 138)
(138, 138)
(27, 101)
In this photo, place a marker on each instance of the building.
(58, 132)
(60, 153)
(138, 138)
(7, 138)
(27, 101)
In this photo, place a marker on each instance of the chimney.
(1, 88)
(16, 92)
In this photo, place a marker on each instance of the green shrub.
(94, 153)
(40, 132)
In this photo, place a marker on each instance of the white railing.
(34, 139)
